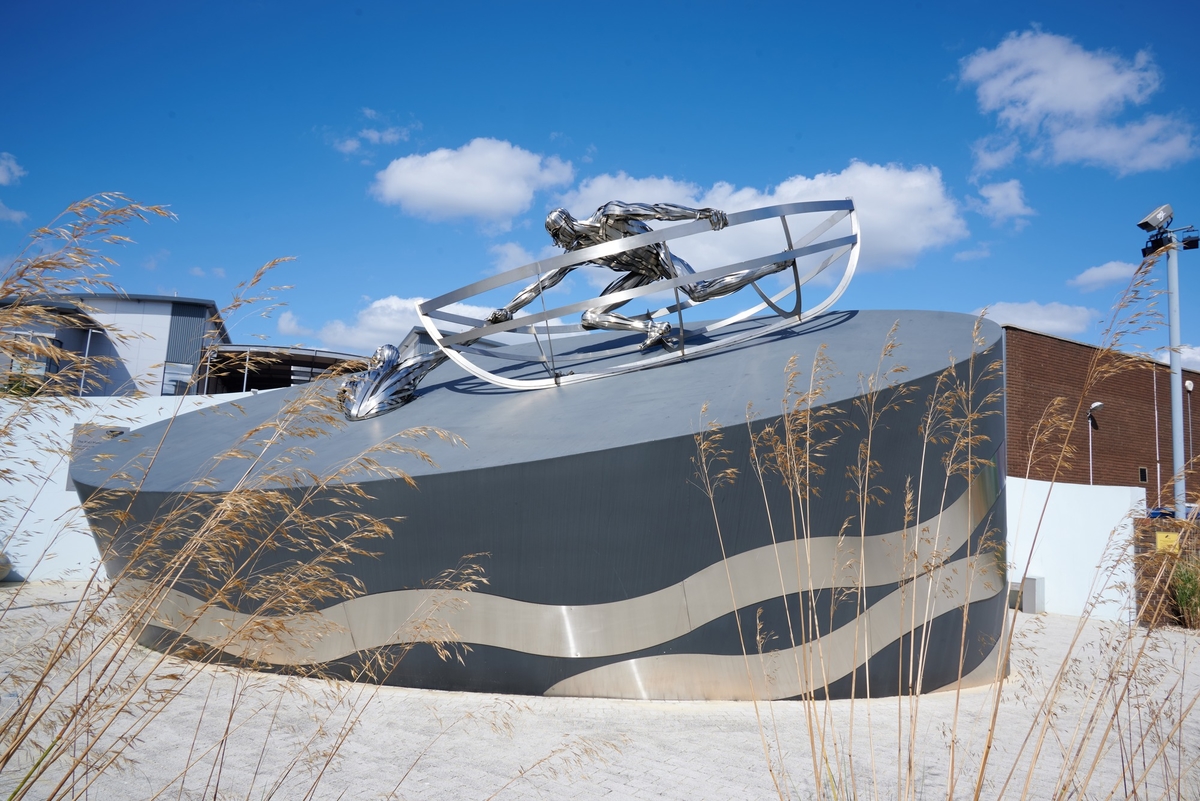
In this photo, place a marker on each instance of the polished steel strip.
(805, 668)
(382, 619)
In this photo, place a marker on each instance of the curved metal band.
(431, 310)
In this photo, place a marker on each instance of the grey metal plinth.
(605, 566)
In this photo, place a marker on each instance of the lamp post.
(1158, 224)
(1092, 426)
(1191, 442)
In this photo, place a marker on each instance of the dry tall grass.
(79, 692)
(1132, 691)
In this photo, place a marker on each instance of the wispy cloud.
(10, 170)
(11, 215)
(993, 153)
(1001, 203)
(1051, 318)
(1112, 272)
(981, 252)
(488, 179)
(1064, 102)
(387, 136)
(383, 132)
(156, 259)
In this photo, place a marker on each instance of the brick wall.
(1041, 367)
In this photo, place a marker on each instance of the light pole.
(1092, 426)
(1191, 442)
(1158, 224)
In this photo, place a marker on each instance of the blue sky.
(999, 156)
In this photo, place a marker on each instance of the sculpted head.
(561, 227)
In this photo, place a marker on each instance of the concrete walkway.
(422, 744)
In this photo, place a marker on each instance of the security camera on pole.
(1158, 224)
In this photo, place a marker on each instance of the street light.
(1158, 224)
(1188, 385)
(1092, 426)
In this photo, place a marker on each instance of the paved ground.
(421, 744)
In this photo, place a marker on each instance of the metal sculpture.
(616, 236)
(641, 266)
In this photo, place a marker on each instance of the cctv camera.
(1159, 218)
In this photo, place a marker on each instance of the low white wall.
(1080, 543)
(42, 528)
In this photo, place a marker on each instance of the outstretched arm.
(528, 294)
(662, 211)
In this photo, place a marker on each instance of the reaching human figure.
(392, 376)
(639, 267)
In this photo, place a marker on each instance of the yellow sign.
(1166, 541)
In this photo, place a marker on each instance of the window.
(1143, 475)
(176, 378)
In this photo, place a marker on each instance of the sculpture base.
(610, 571)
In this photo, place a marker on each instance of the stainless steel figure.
(392, 378)
(389, 382)
(616, 220)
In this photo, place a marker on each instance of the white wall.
(149, 323)
(42, 528)
(1080, 545)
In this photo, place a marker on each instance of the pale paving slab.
(418, 744)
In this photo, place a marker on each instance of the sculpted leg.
(603, 317)
(728, 284)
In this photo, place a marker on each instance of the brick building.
(1137, 411)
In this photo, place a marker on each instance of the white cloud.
(289, 325)
(10, 170)
(384, 321)
(1155, 143)
(370, 113)
(347, 146)
(488, 179)
(902, 211)
(11, 215)
(1189, 356)
(196, 271)
(1034, 76)
(1050, 318)
(1064, 100)
(218, 272)
(509, 255)
(1093, 278)
(1003, 202)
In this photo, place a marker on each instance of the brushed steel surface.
(748, 578)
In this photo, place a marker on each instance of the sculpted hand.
(499, 316)
(716, 218)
